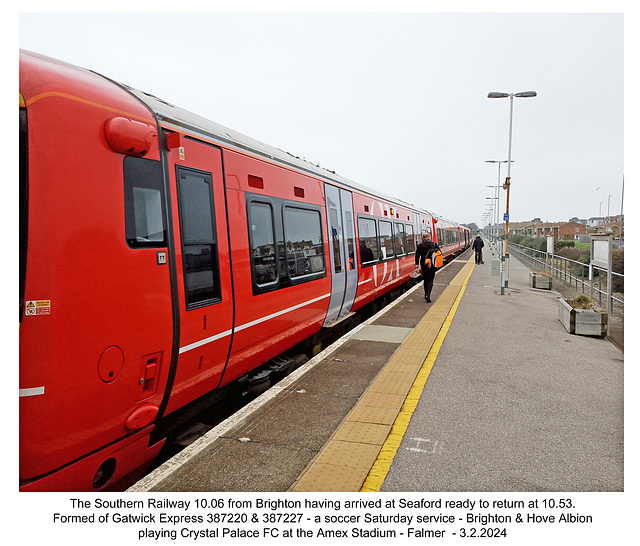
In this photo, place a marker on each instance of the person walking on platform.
(478, 243)
(423, 259)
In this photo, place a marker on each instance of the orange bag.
(436, 260)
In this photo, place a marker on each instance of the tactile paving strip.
(348, 457)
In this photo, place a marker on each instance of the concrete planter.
(584, 322)
(540, 280)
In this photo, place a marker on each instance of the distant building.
(566, 231)
(610, 227)
(595, 221)
(576, 229)
(571, 231)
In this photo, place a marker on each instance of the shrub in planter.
(581, 316)
(582, 302)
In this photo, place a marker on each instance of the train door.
(203, 266)
(416, 229)
(342, 245)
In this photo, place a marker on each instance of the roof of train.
(179, 118)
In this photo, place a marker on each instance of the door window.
(351, 238)
(199, 244)
(335, 238)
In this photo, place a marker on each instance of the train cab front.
(96, 327)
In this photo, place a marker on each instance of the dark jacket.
(478, 243)
(422, 251)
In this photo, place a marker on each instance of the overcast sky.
(394, 101)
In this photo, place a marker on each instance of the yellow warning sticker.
(38, 307)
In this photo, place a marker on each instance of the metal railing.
(575, 274)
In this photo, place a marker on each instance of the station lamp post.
(498, 161)
(493, 212)
(507, 183)
(496, 212)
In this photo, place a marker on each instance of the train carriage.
(162, 257)
(451, 237)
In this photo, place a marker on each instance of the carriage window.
(263, 243)
(400, 244)
(144, 203)
(303, 236)
(368, 240)
(386, 240)
(199, 244)
(411, 241)
(286, 243)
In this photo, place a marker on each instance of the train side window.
(199, 243)
(368, 241)
(305, 249)
(144, 203)
(263, 243)
(400, 240)
(386, 239)
(411, 241)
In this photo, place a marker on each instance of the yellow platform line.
(381, 466)
(362, 448)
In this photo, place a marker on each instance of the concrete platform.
(515, 402)
(477, 391)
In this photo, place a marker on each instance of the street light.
(497, 199)
(493, 212)
(507, 184)
(498, 161)
(495, 234)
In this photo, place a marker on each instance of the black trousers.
(479, 256)
(428, 274)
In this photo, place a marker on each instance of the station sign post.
(601, 257)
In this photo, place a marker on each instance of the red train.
(162, 257)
